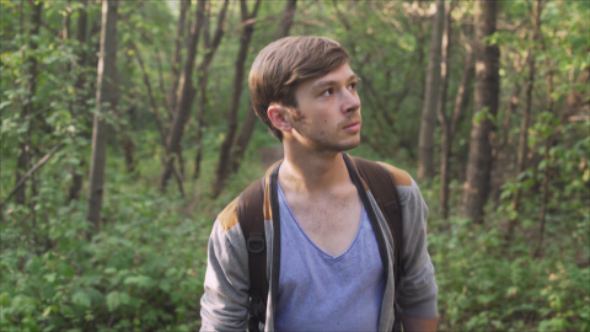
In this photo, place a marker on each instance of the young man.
(331, 276)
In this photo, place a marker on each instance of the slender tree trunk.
(502, 164)
(185, 103)
(32, 73)
(151, 98)
(286, 20)
(176, 57)
(104, 93)
(242, 139)
(203, 80)
(223, 165)
(550, 140)
(428, 123)
(548, 144)
(80, 103)
(442, 115)
(487, 88)
(521, 162)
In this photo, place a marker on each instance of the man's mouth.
(355, 126)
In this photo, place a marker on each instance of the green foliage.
(485, 284)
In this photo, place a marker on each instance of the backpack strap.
(251, 217)
(384, 189)
(259, 202)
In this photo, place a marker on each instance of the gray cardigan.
(224, 305)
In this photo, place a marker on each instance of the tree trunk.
(104, 93)
(428, 122)
(203, 79)
(242, 139)
(176, 57)
(487, 88)
(223, 165)
(521, 162)
(32, 73)
(442, 115)
(548, 144)
(287, 19)
(80, 103)
(185, 103)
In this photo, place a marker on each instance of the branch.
(146, 80)
(31, 171)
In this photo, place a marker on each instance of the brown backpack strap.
(382, 185)
(251, 217)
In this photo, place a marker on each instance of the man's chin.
(345, 146)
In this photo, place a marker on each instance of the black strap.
(251, 217)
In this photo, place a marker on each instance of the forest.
(127, 127)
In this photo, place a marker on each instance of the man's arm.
(225, 301)
(418, 292)
(416, 324)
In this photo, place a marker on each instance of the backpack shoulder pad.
(228, 218)
(401, 177)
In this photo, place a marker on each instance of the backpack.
(251, 219)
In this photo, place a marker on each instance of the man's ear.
(279, 117)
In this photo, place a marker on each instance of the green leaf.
(50, 277)
(113, 301)
(141, 281)
(124, 298)
(4, 299)
(82, 299)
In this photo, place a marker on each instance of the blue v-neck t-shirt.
(321, 292)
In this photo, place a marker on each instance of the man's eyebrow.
(321, 84)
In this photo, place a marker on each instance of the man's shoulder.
(228, 217)
(400, 176)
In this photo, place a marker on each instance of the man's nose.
(352, 102)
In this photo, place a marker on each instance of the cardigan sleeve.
(225, 301)
(418, 290)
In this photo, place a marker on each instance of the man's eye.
(352, 86)
(327, 92)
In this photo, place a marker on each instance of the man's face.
(328, 117)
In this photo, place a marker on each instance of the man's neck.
(312, 172)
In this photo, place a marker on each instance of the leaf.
(125, 298)
(113, 301)
(141, 281)
(4, 299)
(82, 299)
(50, 277)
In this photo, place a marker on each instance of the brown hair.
(285, 63)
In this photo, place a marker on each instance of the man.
(331, 276)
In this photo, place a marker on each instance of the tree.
(240, 143)
(211, 48)
(442, 115)
(28, 106)
(487, 89)
(521, 163)
(428, 123)
(77, 110)
(185, 102)
(176, 58)
(104, 94)
(223, 165)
